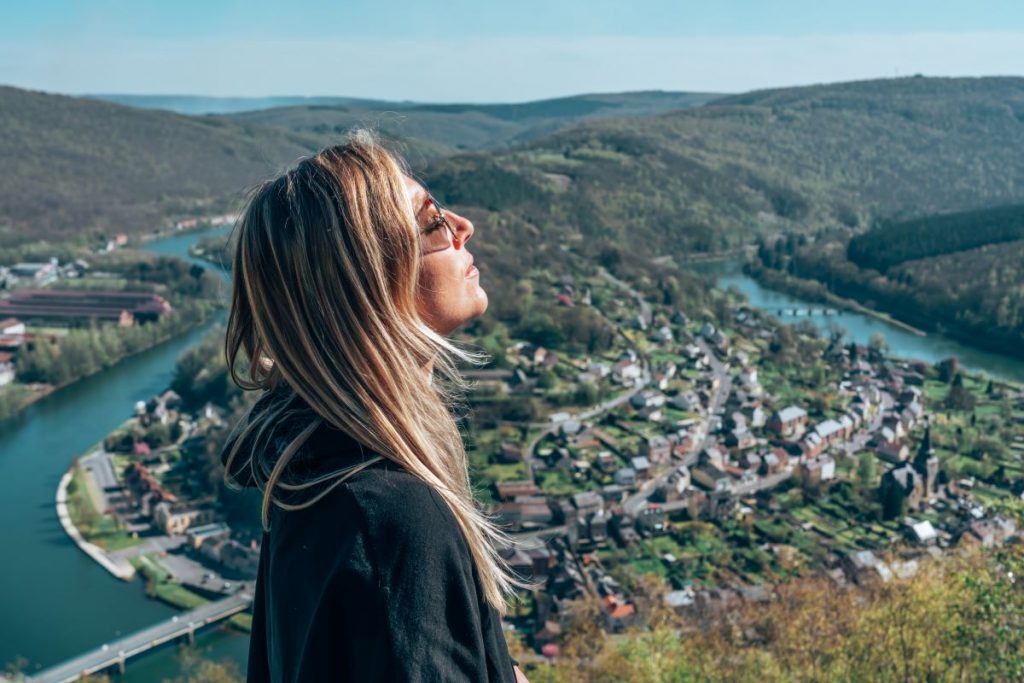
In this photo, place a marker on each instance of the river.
(55, 602)
(859, 328)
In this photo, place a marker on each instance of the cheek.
(428, 286)
(438, 291)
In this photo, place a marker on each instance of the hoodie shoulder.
(325, 451)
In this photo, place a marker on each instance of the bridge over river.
(806, 311)
(115, 655)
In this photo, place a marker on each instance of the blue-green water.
(859, 328)
(55, 602)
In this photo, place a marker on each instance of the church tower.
(926, 463)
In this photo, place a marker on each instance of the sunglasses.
(438, 233)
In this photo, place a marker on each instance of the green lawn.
(97, 528)
(504, 472)
(161, 587)
(559, 483)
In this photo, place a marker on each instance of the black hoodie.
(373, 582)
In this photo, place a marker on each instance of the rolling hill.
(454, 127)
(700, 178)
(800, 158)
(73, 165)
(80, 165)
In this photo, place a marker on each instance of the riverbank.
(741, 251)
(815, 291)
(118, 568)
(908, 316)
(53, 581)
(161, 585)
(40, 390)
(76, 502)
(860, 328)
(172, 231)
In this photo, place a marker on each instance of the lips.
(471, 268)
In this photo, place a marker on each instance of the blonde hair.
(325, 274)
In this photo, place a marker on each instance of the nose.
(463, 227)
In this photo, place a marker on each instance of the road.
(645, 308)
(111, 654)
(635, 502)
(593, 411)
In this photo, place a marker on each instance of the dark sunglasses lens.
(438, 234)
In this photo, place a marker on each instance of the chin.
(482, 302)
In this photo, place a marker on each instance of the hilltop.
(74, 165)
(801, 158)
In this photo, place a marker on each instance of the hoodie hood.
(326, 450)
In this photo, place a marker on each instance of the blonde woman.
(375, 565)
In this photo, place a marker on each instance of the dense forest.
(931, 273)
(891, 244)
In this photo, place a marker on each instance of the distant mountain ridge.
(193, 105)
(698, 178)
(454, 127)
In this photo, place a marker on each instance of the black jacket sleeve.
(415, 611)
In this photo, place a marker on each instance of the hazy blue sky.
(494, 51)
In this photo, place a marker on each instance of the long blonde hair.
(325, 273)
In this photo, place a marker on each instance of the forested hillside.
(961, 273)
(802, 158)
(891, 244)
(78, 166)
(699, 179)
(448, 128)
(74, 166)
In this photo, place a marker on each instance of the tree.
(540, 329)
(959, 397)
(877, 345)
(866, 471)
(610, 258)
(947, 369)
(587, 394)
(196, 669)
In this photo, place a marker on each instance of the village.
(61, 321)
(52, 296)
(704, 458)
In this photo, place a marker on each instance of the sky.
(487, 51)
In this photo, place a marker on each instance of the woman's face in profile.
(449, 292)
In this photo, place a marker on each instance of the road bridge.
(808, 311)
(115, 655)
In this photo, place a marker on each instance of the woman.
(375, 563)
